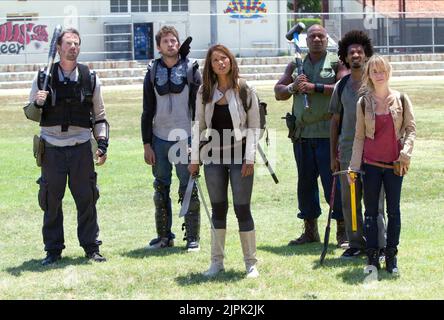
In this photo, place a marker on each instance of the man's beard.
(356, 65)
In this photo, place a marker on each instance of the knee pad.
(161, 195)
(219, 210)
(243, 212)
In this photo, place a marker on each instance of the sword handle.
(353, 202)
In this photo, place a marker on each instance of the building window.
(159, 5)
(21, 16)
(119, 5)
(139, 5)
(179, 5)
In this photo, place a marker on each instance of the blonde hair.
(375, 62)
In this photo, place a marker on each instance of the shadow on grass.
(142, 253)
(199, 278)
(356, 275)
(35, 265)
(337, 262)
(306, 249)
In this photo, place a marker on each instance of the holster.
(38, 149)
(294, 126)
(290, 121)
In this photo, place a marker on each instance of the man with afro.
(354, 50)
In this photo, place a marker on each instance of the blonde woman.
(230, 133)
(383, 144)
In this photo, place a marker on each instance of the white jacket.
(245, 124)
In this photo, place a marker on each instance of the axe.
(293, 35)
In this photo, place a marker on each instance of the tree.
(305, 5)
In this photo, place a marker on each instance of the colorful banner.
(246, 9)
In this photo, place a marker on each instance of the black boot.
(191, 226)
(391, 263)
(162, 202)
(373, 258)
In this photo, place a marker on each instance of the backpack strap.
(152, 66)
(341, 86)
(192, 66)
(402, 103)
(243, 94)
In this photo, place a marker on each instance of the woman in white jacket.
(225, 135)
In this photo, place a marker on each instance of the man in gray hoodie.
(169, 92)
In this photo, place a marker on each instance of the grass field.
(126, 219)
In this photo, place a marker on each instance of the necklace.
(67, 78)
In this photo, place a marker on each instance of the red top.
(384, 147)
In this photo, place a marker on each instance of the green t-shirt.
(316, 119)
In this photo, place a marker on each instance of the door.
(143, 41)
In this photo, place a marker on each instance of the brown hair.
(65, 31)
(164, 31)
(210, 78)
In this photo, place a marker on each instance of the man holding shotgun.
(354, 50)
(310, 130)
(71, 108)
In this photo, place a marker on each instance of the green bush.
(307, 21)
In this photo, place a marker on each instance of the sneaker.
(344, 245)
(51, 258)
(160, 243)
(96, 257)
(351, 253)
(381, 255)
(192, 245)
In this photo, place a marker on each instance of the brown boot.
(341, 236)
(310, 234)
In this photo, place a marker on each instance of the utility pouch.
(32, 112)
(38, 149)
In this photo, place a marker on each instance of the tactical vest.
(69, 103)
(174, 80)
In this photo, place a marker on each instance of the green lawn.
(126, 219)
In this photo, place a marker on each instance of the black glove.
(102, 145)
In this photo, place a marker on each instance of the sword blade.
(187, 197)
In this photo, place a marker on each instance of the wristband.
(319, 87)
(102, 145)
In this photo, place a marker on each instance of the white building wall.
(264, 34)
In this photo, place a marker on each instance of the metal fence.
(128, 37)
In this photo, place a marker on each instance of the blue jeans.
(162, 171)
(313, 160)
(217, 177)
(373, 179)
